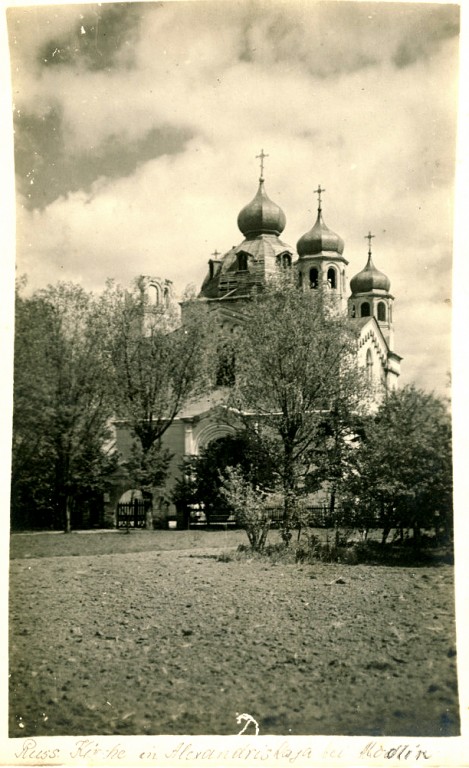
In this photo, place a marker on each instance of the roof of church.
(318, 239)
(225, 276)
(261, 221)
(361, 322)
(370, 278)
(261, 215)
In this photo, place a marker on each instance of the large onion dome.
(370, 279)
(261, 216)
(319, 238)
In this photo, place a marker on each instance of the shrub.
(225, 557)
(312, 549)
(248, 506)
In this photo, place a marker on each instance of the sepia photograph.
(231, 502)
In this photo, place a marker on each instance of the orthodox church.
(319, 262)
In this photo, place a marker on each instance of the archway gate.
(131, 511)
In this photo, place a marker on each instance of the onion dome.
(261, 216)
(320, 238)
(370, 279)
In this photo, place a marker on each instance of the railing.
(316, 517)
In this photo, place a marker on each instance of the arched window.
(332, 277)
(153, 295)
(283, 260)
(365, 309)
(300, 279)
(313, 277)
(382, 311)
(166, 296)
(353, 311)
(369, 365)
(242, 262)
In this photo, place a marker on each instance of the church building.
(319, 263)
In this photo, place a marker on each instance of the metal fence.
(316, 517)
(131, 514)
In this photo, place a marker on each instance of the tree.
(295, 364)
(61, 448)
(157, 366)
(32, 468)
(204, 475)
(335, 453)
(404, 464)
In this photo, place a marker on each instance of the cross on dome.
(216, 253)
(369, 237)
(261, 158)
(318, 192)
(370, 279)
(261, 216)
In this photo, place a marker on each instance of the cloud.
(189, 61)
(51, 170)
(94, 35)
(32, 28)
(170, 215)
(155, 152)
(101, 37)
(425, 35)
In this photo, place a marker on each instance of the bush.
(225, 557)
(248, 506)
(313, 549)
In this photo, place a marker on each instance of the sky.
(137, 127)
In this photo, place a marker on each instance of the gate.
(131, 514)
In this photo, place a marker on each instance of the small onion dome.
(319, 238)
(370, 279)
(261, 216)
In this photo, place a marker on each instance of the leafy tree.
(157, 366)
(32, 476)
(295, 365)
(61, 448)
(403, 469)
(248, 504)
(203, 476)
(335, 454)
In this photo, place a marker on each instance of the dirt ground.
(149, 633)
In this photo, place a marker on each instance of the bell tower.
(321, 263)
(157, 298)
(371, 297)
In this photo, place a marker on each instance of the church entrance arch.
(209, 433)
(218, 447)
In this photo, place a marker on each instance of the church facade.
(319, 263)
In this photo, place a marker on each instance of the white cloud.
(379, 138)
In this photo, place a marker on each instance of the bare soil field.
(155, 633)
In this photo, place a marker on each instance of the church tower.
(370, 296)
(321, 265)
(233, 276)
(320, 257)
(370, 306)
(156, 297)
